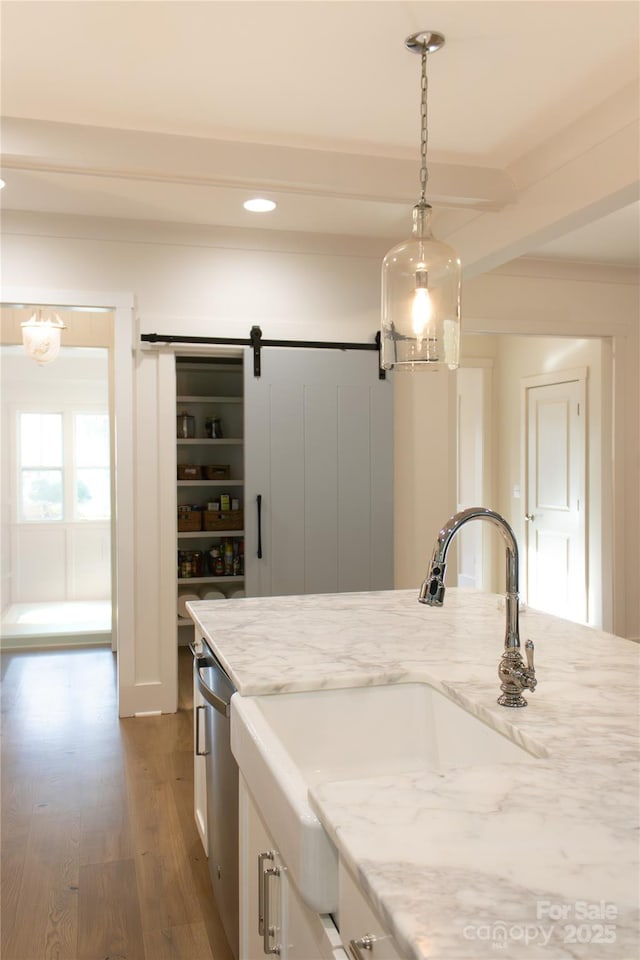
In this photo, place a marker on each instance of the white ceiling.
(316, 104)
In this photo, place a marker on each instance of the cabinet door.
(257, 854)
(362, 933)
(319, 452)
(268, 898)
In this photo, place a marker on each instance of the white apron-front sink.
(286, 743)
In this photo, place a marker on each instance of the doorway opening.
(57, 440)
(495, 460)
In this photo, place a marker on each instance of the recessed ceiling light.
(259, 205)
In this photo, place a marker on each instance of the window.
(92, 493)
(63, 464)
(41, 486)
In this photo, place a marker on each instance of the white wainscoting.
(60, 561)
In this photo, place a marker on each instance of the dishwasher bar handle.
(222, 706)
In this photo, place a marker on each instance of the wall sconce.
(421, 277)
(41, 335)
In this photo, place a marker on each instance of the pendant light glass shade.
(41, 336)
(421, 280)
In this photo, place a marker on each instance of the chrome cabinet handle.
(269, 930)
(266, 855)
(199, 752)
(362, 943)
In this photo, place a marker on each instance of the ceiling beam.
(589, 170)
(33, 145)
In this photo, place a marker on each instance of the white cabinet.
(362, 934)
(210, 479)
(319, 453)
(273, 918)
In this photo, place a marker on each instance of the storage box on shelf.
(210, 475)
(218, 471)
(189, 519)
(222, 520)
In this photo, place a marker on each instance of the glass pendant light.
(421, 277)
(41, 336)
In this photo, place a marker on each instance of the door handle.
(529, 517)
(222, 706)
(362, 943)
(199, 752)
(259, 504)
(266, 855)
(270, 930)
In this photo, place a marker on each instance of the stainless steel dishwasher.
(222, 788)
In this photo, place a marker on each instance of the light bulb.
(421, 305)
(421, 311)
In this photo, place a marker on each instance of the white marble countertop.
(536, 860)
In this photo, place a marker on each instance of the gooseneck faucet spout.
(513, 674)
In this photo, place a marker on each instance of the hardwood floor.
(100, 855)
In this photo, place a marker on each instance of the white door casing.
(555, 502)
(122, 557)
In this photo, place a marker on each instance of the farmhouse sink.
(286, 743)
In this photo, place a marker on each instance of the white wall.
(205, 281)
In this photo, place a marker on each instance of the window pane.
(40, 439)
(92, 439)
(93, 494)
(41, 494)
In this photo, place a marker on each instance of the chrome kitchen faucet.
(513, 674)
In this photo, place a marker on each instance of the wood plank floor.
(101, 859)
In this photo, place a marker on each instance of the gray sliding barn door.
(319, 452)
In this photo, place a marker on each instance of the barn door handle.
(259, 503)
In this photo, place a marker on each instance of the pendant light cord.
(424, 173)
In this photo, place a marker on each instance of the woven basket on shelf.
(222, 520)
(217, 471)
(189, 471)
(189, 520)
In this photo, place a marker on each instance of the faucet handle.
(528, 650)
(530, 672)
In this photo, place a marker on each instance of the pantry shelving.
(210, 482)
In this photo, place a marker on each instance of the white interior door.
(556, 504)
(319, 453)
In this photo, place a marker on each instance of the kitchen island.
(537, 859)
